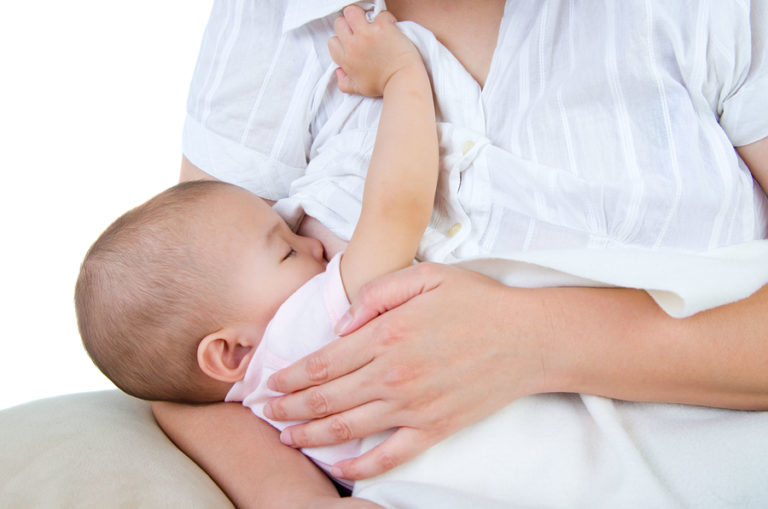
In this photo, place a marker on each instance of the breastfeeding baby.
(201, 293)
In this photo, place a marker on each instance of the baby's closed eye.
(290, 253)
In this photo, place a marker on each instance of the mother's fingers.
(403, 445)
(388, 292)
(338, 358)
(335, 396)
(338, 428)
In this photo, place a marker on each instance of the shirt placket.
(460, 216)
(452, 227)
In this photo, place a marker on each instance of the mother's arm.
(465, 346)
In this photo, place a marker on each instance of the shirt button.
(454, 229)
(467, 147)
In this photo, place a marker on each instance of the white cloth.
(571, 451)
(601, 153)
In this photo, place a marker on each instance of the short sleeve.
(248, 109)
(744, 115)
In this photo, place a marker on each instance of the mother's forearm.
(244, 456)
(619, 343)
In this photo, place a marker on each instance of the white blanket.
(570, 450)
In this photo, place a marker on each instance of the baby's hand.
(369, 54)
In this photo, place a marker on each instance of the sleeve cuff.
(745, 116)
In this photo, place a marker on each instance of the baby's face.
(267, 261)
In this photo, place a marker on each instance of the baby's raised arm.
(376, 59)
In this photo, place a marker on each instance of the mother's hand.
(444, 353)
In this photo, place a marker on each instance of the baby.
(202, 292)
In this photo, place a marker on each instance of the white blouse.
(602, 124)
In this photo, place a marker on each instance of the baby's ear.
(224, 355)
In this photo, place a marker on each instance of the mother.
(644, 146)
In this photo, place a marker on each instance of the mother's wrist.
(599, 341)
(525, 340)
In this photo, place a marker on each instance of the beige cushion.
(98, 449)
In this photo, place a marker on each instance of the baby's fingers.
(385, 17)
(355, 17)
(345, 83)
(403, 445)
(342, 29)
(336, 49)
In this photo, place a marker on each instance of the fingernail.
(285, 438)
(337, 471)
(343, 323)
(271, 384)
(268, 412)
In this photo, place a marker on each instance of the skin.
(469, 29)
(598, 341)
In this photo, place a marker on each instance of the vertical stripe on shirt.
(226, 53)
(722, 166)
(262, 90)
(205, 83)
(573, 167)
(670, 140)
(623, 124)
(298, 103)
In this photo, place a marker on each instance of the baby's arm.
(376, 59)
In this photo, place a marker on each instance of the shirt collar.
(301, 12)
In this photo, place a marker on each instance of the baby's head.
(174, 296)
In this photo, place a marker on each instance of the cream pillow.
(98, 449)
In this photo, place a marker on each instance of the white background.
(92, 102)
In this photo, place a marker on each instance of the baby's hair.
(147, 293)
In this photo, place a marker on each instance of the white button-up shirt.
(601, 126)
